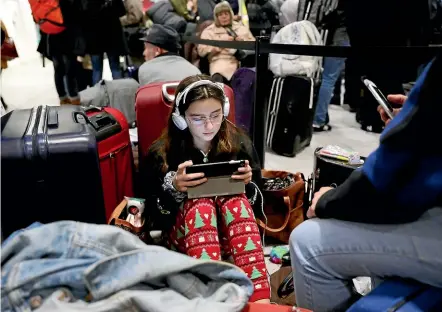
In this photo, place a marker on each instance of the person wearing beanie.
(163, 63)
(223, 62)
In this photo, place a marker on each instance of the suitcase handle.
(99, 121)
(104, 126)
(165, 87)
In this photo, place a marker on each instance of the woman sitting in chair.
(223, 62)
(197, 133)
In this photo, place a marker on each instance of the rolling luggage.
(50, 168)
(400, 296)
(115, 154)
(290, 114)
(243, 85)
(153, 104)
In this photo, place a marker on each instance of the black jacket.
(152, 168)
(102, 28)
(71, 40)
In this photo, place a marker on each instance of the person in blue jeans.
(385, 220)
(333, 67)
(103, 33)
(63, 49)
(97, 66)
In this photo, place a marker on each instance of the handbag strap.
(286, 221)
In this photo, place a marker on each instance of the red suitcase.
(115, 154)
(153, 104)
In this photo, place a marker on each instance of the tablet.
(217, 169)
(219, 181)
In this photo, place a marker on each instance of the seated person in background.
(134, 13)
(223, 62)
(206, 228)
(385, 220)
(182, 9)
(162, 60)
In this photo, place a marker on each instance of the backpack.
(47, 14)
(305, 33)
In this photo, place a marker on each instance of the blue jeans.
(326, 254)
(97, 66)
(333, 67)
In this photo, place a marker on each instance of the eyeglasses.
(199, 121)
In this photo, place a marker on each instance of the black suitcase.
(290, 113)
(50, 168)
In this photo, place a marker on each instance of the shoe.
(374, 129)
(75, 101)
(322, 128)
(64, 101)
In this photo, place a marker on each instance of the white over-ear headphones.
(179, 121)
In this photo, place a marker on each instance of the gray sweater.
(166, 67)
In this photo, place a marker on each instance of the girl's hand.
(245, 173)
(182, 180)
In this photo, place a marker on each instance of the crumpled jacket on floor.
(224, 62)
(108, 269)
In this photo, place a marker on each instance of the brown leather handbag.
(283, 207)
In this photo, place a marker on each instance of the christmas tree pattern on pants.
(203, 226)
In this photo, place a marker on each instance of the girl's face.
(204, 118)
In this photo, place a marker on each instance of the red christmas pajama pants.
(197, 234)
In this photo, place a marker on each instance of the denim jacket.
(105, 268)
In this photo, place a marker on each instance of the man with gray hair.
(163, 64)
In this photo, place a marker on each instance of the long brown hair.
(173, 141)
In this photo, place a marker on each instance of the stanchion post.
(260, 109)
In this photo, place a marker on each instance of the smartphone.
(218, 169)
(219, 181)
(380, 97)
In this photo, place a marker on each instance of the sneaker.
(322, 128)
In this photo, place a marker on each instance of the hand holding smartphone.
(385, 108)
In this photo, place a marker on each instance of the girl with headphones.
(206, 228)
